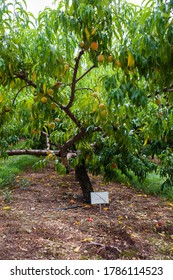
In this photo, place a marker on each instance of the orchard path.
(47, 219)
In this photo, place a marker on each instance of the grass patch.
(13, 166)
(151, 185)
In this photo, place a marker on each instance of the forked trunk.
(84, 181)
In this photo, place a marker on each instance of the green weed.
(13, 166)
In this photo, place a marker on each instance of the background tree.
(97, 78)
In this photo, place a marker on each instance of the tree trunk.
(84, 181)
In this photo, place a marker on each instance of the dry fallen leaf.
(170, 204)
(120, 217)
(134, 235)
(87, 239)
(87, 206)
(6, 208)
(77, 249)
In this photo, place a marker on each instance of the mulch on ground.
(46, 218)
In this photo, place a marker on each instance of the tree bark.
(84, 181)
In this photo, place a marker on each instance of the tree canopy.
(96, 77)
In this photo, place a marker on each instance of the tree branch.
(67, 111)
(72, 141)
(170, 89)
(73, 85)
(22, 76)
(31, 152)
(84, 88)
(71, 115)
(83, 75)
(17, 94)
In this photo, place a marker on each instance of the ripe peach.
(50, 156)
(100, 58)
(94, 46)
(52, 125)
(53, 105)
(57, 120)
(82, 44)
(110, 58)
(118, 63)
(104, 113)
(95, 94)
(44, 99)
(50, 91)
(102, 106)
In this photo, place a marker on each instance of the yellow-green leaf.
(131, 60)
(1, 97)
(44, 87)
(87, 33)
(146, 141)
(10, 68)
(94, 31)
(33, 76)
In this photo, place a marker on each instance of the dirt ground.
(44, 217)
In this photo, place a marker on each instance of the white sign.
(99, 197)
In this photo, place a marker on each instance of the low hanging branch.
(32, 152)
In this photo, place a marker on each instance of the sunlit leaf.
(130, 60)
(87, 33)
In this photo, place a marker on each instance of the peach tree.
(93, 82)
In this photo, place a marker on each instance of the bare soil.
(46, 218)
